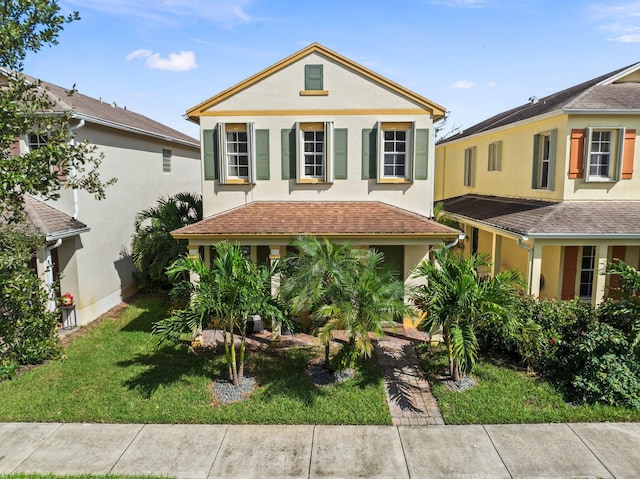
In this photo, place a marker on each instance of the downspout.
(73, 171)
(48, 262)
(529, 250)
(460, 237)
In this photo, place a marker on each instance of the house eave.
(131, 129)
(602, 111)
(66, 234)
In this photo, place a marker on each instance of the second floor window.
(544, 160)
(395, 153)
(166, 161)
(237, 147)
(313, 152)
(602, 154)
(470, 166)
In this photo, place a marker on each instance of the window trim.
(407, 126)
(224, 177)
(328, 153)
(469, 167)
(494, 156)
(538, 152)
(615, 156)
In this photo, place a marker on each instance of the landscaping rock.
(321, 376)
(226, 392)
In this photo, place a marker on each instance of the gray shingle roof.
(544, 218)
(43, 219)
(585, 96)
(95, 110)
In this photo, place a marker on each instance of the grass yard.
(116, 372)
(504, 395)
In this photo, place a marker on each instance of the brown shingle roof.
(543, 218)
(46, 220)
(318, 218)
(587, 95)
(91, 110)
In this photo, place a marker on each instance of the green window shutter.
(536, 160)
(422, 154)
(210, 148)
(340, 156)
(313, 77)
(369, 154)
(262, 154)
(288, 153)
(553, 140)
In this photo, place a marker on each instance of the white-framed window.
(494, 156)
(587, 258)
(395, 142)
(237, 151)
(35, 141)
(470, 166)
(314, 145)
(603, 155)
(544, 160)
(166, 161)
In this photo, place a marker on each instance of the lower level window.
(587, 270)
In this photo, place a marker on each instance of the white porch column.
(193, 252)
(276, 327)
(535, 270)
(599, 279)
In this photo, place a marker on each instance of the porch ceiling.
(318, 218)
(535, 218)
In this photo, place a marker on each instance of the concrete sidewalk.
(221, 451)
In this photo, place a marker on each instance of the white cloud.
(183, 61)
(491, 84)
(171, 12)
(620, 19)
(463, 84)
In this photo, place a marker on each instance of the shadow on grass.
(165, 365)
(156, 307)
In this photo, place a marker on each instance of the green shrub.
(27, 329)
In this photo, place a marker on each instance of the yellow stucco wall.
(551, 271)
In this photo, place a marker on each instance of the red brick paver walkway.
(409, 396)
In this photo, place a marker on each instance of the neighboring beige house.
(552, 187)
(318, 145)
(89, 241)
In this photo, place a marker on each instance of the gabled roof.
(43, 219)
(545, 219)
(286, 219)
(604, 93)
(108, 114)
(436, 110)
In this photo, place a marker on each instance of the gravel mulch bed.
(227, 393)
(321, 376)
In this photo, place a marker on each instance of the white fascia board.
(613, 79)
(66, 234)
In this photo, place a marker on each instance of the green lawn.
(504, 395)
(116, 372)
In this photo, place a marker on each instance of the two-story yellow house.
(317, 144)
(549, 187)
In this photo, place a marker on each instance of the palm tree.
(153, 247)
(372, 297)
(315, 276)
(231, 290)
(457, 295)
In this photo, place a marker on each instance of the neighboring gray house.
(89, 241)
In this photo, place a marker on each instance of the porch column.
(599, 279)
(193, 252)
(496, 248)
(535, 270)
(276, 327)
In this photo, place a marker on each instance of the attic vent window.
(313, 81)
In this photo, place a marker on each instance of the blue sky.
(474, 57)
